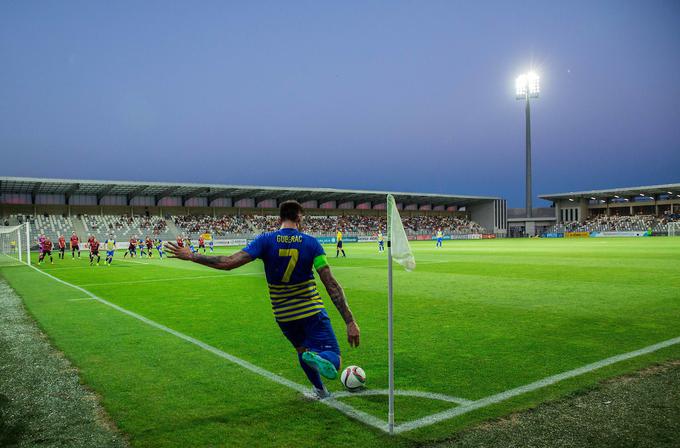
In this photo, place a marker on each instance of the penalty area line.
(346, 409)
(550, 380)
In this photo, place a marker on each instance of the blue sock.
(312, 374)
(332, 357)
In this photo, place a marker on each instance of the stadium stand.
(614, 223)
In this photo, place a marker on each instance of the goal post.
(674, 228)
(15, 245)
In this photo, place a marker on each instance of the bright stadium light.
(527, 86)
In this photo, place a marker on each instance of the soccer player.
(191, 245)
(110, 249)
(440, 237)
(61, 243)
(94, 250)
(149, 246)
(46, 250)
(289, 258)
(201, 243)
(381, 241)
(211, 244)
(180, 241)
(338, 244)
(132, 248)
(159, 248)
(75, 245)
(140, 245)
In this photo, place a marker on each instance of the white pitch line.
(342, 407)
(404, 393)
(131, 261)
(497, 398)
(78, 300)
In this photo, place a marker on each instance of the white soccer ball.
(353, 378)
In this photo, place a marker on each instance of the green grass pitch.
(475, 319)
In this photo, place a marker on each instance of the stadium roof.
(649, 190)
(130, 189)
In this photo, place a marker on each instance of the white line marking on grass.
(497, 398)
(82, 298)
(404, 393)
(131, 261)
(342, 407)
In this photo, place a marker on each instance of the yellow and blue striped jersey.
(289, 257)
(338, 236)
(440, 234)
(110, 244)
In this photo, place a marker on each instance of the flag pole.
(390, 327)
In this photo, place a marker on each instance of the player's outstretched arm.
(226, 263)
(340, 301)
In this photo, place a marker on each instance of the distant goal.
(15, 246)
(674, 229)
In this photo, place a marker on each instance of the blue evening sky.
(393, 95)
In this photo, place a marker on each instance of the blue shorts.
(314, 333)
(439, 240)
(381, 243)
(109, 253)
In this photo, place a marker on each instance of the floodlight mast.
(527, 86)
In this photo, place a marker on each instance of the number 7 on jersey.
(293, 254)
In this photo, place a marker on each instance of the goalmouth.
(15, 245)
(674, 228)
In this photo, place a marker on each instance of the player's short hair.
(290, 210)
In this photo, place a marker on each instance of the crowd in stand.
(618, 223)
(351, 224)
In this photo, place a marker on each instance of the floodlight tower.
(526, 87)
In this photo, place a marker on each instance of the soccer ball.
(353, 378)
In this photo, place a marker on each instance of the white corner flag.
(399, 250)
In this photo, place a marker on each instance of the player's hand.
(174, 251)
(353, 334)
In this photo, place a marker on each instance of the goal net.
(674, 229)
(15, 247)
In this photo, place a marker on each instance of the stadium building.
(649, 207)
(123, 208)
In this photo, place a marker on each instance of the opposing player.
(61, 244)
(440, 237)
(201, 243)
(75, 245)
(110, 244)
(94, 250)
(381, 241)
(132, 248)
(289, 258)
(338, 244)
(149, 246)
(46, 250)
(180, 241)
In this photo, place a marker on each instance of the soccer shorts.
(76, 247)
(94, 253)
(314, 333)
(109, 253)
(340, 244)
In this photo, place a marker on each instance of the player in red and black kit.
(94, 250)
(61, 243)
(47, 250)
(180, 241)
(75, 245)
(201, 243)
(149, 245)
(132, 248)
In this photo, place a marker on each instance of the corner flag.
(399, 250)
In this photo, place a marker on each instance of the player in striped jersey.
(290, 258)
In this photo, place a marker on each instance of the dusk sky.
(402, 96)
